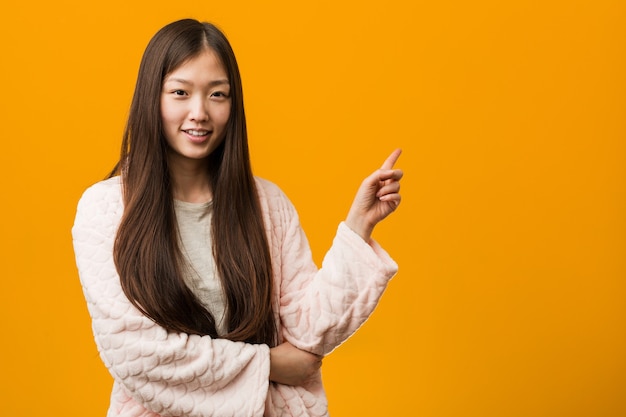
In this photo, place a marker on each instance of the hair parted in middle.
(147, 253)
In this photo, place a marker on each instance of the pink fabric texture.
(159, 373)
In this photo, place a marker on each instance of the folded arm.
(171, 374)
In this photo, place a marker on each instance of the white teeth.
(197, 132)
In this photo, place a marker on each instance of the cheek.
(169, 115)
(221, 115)
(163, 110)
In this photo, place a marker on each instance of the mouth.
(199, 133)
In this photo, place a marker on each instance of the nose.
(199, 111)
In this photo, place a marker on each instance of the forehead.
(201, 68)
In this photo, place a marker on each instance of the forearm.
(321, 309)
(292, 366)
(178, 374)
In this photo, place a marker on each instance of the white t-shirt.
(200, 274)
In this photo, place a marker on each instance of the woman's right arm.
(171, 374)
(292, 366)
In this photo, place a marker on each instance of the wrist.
(360, 228)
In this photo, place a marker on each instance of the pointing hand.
(377, 197)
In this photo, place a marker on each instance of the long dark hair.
(147, 254)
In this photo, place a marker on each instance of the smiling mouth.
(197, 133)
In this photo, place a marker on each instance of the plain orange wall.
(511, 239)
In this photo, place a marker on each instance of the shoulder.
(110, 188)
(102, 193)
(277, 208)
(271, 195)
(268, 190)
(101, 202)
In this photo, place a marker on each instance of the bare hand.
(292, 366)
(377, 197)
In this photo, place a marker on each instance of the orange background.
(511, 299)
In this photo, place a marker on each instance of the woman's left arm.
(320, 309)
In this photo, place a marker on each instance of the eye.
(179, 93)
(219, 95)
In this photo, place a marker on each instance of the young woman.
(204, 297)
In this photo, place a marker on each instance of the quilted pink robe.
(158, 373)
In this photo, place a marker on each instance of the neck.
(190, 181)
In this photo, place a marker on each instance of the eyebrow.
(187, 82)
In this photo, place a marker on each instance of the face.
(195, 106)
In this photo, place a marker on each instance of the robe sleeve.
(322, 308)
(171, 374)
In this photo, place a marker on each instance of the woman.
(197, 275)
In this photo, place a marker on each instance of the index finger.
(391, 159)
